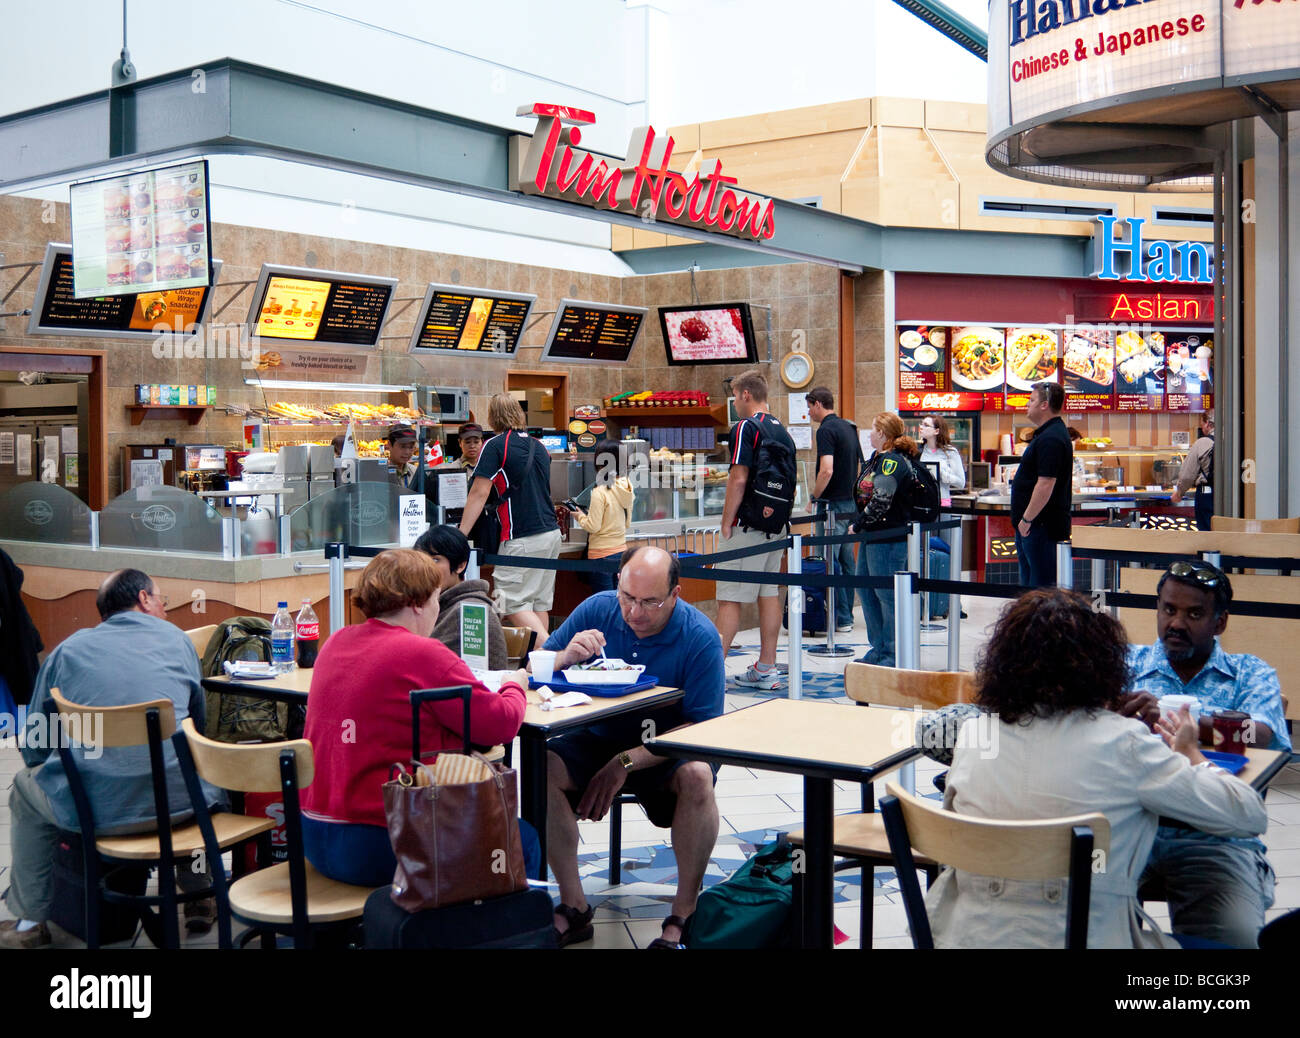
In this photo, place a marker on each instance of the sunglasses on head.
(1201, 573)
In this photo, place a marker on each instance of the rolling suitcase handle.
(432, 695)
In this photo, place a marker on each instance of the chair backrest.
(1232, 524)
(519, 643)
(200, 636)
(1041, 849)
(113, 725)
(247, 768)
(893, 686)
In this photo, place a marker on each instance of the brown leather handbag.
(454, 829)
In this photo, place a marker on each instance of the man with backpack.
(760, 498)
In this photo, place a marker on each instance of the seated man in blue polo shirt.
(644, 621)
(1217, 887)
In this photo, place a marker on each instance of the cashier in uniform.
(401, 454)
(470, 441)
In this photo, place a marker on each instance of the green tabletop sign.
(473, 635)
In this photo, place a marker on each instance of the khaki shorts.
(516, 588)
(728, 591)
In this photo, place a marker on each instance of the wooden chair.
(289, 898)
(200, 636)
(860, 838)
(139, 724)
(1232, 524)
(519, 643)
(1045, 849)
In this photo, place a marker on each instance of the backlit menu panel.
(320, 307)
(593, 333)
(468, 320)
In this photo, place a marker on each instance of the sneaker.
(10, 936)
(200, 915)
(843, 628)
(754, 678)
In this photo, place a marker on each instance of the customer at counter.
(1040, 492)
(362, 684)
(1218, 887)
(1198, 472)
(1053, 744)
(449, 549)
(610, 513)
(839, 456)
(518, 469)
(884, 507)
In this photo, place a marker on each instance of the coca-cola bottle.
(307, 632)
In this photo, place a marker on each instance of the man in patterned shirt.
(1217, 888)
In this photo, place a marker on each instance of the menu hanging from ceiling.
(320, 307)
(922, 360)
(145, 231)
(458, 320)
(593, 333)
(1189, 372)
(1089, 369)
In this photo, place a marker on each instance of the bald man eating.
(644, 621)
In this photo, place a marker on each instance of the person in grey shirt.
(135, 655)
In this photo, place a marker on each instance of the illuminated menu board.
(593, 333)
(146, 231)
(57, 310)
(320, 307)
(459, 320)
(1089, 368)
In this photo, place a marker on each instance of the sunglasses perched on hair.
(1201, 573)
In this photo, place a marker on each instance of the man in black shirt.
(1040, 493)
(838, 451)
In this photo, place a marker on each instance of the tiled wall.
(803, 299)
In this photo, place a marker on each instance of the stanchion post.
(1064, 565)
(335, 553)
(954, 601)
(794, 604)
(915, 552)
(471, 567)
(907, 647)
(1214, 558)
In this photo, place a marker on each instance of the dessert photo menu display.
(923, 359)
(1189, 371)
(146, 231)
(719, 334)
(1089, 369)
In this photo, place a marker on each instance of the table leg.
(533, 793)
(819, 834)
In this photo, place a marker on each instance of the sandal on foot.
(580, 928)
(662, 943)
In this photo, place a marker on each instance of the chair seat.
(263, 897)
(861, 836)
(186, 839)
(496, 753)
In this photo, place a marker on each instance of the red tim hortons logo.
(553, 165)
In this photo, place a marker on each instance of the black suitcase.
(938, 571)
(523, 919)
(117, 922)
(814, 601)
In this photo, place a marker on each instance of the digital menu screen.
(1089, 368)
(1033, 355)
(593, 333)
(979, 363)
(922, 358)
(144, 314)
(1139, 370)
(141, 232)
(719, 334)
(462, 320)
(320, 307)
(1189, 371)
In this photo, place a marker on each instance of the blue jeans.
(1217, 888)
(1037, 554)
(844, 560)
(880, 559)
(363, 856)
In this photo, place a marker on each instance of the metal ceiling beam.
(945, 20)
(231, 107)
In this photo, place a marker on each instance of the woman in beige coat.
(1054, 744)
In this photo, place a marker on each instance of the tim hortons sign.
(551, 164)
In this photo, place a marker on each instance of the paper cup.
(1172, 704)
(543, 663)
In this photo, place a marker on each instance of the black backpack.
(923, 497)
(770, 489)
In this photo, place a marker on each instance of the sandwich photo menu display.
(1089, 368)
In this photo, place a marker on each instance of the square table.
(289, 687)
(822, 742)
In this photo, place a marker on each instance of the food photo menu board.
(721, 333)
(1139, 370)
(138, 315)
(1089, 369)
(979, 363)
(320, 307)
(141, 232)
(1189, 371)
(1033, 355)
(923, 359)
(459, 320)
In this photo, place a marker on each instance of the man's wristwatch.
(625, 759)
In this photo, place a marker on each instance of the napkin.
(250, 669)
(554, 702)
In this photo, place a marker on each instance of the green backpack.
(752, 908)
(241, 718)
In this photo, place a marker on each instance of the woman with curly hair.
(1052, 679)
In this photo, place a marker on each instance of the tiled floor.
(755, 805)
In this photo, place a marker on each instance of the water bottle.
(282, 639)
(307, 632)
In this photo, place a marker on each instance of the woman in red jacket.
(359, 715)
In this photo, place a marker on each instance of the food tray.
(606, 691)
(1229, 762)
